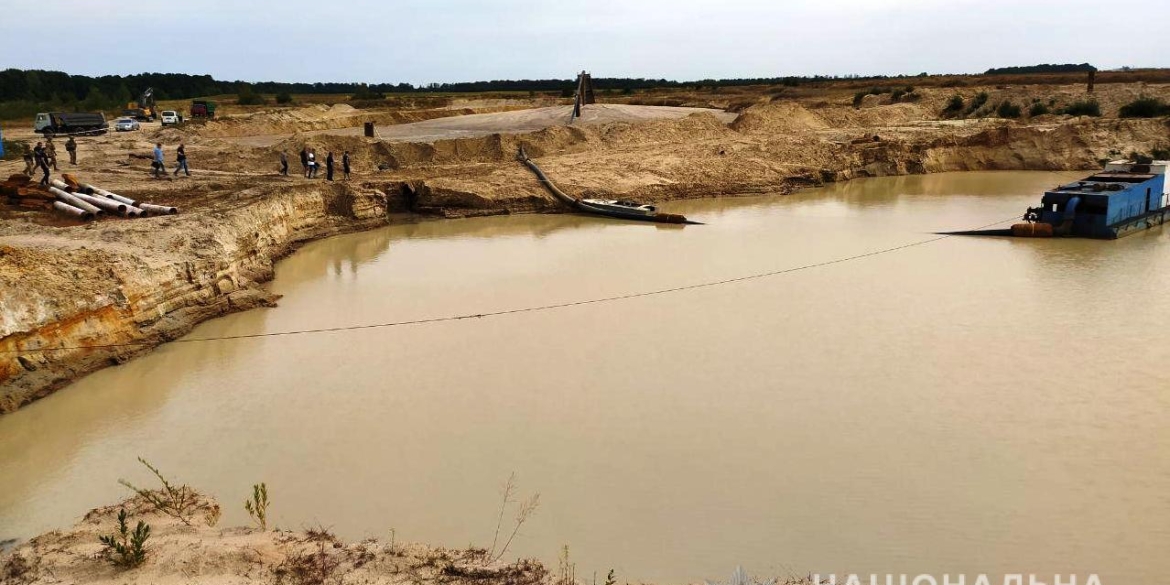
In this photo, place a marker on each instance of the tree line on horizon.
(25, 92)
(44, 86)
(1044, 68)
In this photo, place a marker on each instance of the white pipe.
(158, 209)
(91, 190)
(106, 204)
(115, 197)
(71, 210)
(74, 201)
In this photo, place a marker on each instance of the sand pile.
(783, 116)
(282, 121)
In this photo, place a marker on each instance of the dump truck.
(77, 123)
(202, 109)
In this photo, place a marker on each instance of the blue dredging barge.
(1124, 198)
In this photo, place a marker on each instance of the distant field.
(227, 103)
(829, 88)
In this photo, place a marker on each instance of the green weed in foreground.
(126, 549)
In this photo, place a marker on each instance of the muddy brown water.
(961, 406)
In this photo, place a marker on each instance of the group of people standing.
(44, 155)
(159, 162)
(310, 165)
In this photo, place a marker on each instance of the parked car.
(171, 117)
(126, 124)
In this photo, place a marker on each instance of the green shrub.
(284, 97)
(905, 94)
(177, 501)
(1007, 109)
(15, 149)
(1139, 158)
(364, 93)
(1088, 107)
(1038, 109)
(954, 106)
(126, 549)
(858, 97)
(977, 102)
(1145, 107)
(1161, 153)
(248, 97)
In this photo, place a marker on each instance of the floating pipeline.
(603, 208)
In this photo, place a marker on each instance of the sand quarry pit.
(532, 120)
(121, 282)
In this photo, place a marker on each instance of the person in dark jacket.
(42, 158)
(181, 157)
(305, 161)
(345, 164)
(284, 163)
(71, 148)
(329, 166)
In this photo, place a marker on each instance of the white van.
(170, 117)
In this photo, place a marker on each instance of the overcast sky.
(420, 41)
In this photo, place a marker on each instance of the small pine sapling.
(126, 549)
(257, 507)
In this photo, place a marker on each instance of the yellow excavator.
(143, 110)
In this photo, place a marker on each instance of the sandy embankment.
(201, 553)
(148, 281)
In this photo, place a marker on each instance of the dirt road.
(511, 122)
